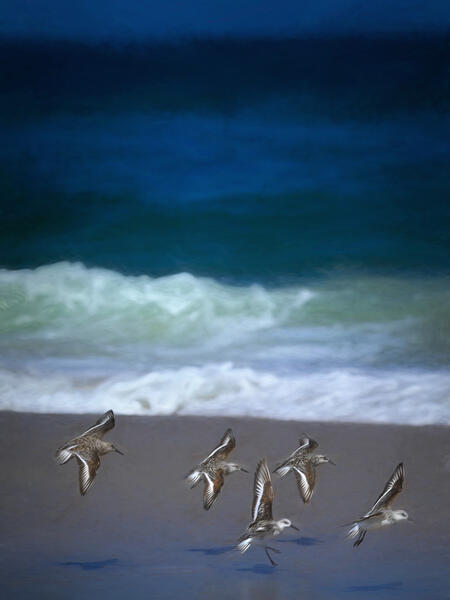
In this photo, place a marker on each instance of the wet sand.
(140, 532)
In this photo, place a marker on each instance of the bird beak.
(294, 527)
(331, 462)
(411, 520)
(119, 451)
(245, 470)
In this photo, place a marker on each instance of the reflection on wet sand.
(212, 551)
(301, 541)
(91, 565)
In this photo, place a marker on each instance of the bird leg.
(266, 549)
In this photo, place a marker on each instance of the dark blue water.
(260, 161)
(283, 204)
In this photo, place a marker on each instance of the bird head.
(400, 515)
(283, 523)
(321, 458)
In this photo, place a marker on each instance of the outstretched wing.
(88, 466)
(391, 490)
(262, 493)
(226, 445)
(305, 474)
(212, 488)
(101, 426)
(306, 444)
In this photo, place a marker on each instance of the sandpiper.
(214, 468)
(87, 448)
(262, 526)
(381, 514)
(304, 464)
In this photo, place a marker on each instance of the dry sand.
(140, 532)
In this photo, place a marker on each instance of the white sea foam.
(74, 339)
(223, 389)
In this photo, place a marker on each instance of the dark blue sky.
(140, 19)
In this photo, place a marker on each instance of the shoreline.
(139, 522)
(236, 418)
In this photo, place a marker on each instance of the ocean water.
(362, 348)
(265, 252)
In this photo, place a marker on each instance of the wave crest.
(68, 296)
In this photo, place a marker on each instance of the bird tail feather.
(353, 531)
(193, 478)
(244, 544)
(63, 455)
(357, 532)
(282, 470)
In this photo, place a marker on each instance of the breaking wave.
(353, 348)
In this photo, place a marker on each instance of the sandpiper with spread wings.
(263, 525)
(214, 468)
(303, 463)
(87, 449)
(381, 513)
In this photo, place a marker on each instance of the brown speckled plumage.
(87, 449)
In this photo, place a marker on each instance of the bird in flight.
(303, 463)
(213, 469)
(381, 514)
(87, 449)
(263, 525)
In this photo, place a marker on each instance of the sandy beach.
(140, 532)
